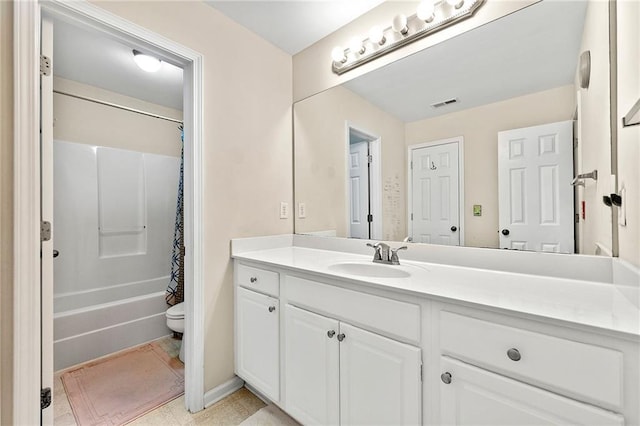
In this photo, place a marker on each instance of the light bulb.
(337, 54)
(399, 24)
(146, 62)
(355, 45)
(426, 10)
(376, 35)
(455, 3)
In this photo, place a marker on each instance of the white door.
(535, 169)
(359, 190)
(258, 344)
(477, 397)
(46, 206)
(435, 194)
(312, 367)
(380, 380)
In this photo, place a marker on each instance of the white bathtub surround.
(494, 344)
(113, 212)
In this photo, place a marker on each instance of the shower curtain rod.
(137, 111)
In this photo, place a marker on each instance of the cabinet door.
(478, 397)
(311, 367)
(380, 380)
(258, 342)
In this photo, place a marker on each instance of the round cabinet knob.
(272, 308)
(505, 232)
(454, 228)
(56, 253)
(446, 378)
(341, 337)
(331, 333)
(253, 279)
(514, 354)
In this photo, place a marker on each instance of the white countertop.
(604, 306)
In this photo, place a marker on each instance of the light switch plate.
(302, 210)
(284, 210)
(477, 210)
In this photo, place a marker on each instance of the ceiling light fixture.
(430, 16)
(146, 62)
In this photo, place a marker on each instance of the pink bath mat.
(122, 387)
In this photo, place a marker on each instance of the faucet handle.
(376, 256)
(394, 255)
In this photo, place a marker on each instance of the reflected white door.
(435, 201)
(46, 211)
(359, 190)
(535, 169)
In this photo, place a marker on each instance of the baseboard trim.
(258, 394)
(227, 388)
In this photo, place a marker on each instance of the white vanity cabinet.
(257, 335)
(337, 373)
(498, 374)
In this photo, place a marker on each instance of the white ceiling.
(92, 58)
(293, 25)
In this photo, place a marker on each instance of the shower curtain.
(175, 290)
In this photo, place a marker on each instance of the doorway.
(436, 192)
(364, 192)
(34, 324)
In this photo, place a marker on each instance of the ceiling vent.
(445, 103)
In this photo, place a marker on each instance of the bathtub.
(93, 323)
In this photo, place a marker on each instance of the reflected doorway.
(364, 184)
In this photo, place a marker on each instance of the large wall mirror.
(474, 141)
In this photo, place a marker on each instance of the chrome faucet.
(385, 254)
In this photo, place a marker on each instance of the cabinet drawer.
(474, 396)
(387, 316)
(577, 369)
(257, 279)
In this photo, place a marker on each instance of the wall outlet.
(284, 210)
(302, 211)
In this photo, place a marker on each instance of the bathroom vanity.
(332, 338)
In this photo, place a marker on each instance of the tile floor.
(232, 410)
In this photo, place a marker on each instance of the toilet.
(175, 321)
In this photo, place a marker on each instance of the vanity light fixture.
(146, 62)
(431, 16)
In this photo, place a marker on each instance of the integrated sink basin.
(370, 270)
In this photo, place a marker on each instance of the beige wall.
(81, 121)
(594, 147)
(320, 124)
(312, 67)
(247, 151)
(628, 21)
(479, 127)
(6, 212)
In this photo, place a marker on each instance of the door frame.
(375, 178)
(458, 140)
(27, 345)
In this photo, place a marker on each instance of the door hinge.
(411, 164)
(411, 216)
(369, 218)
(45, 398)
(45, 231)
(370, 159)
(421, 372)
(45, 65)
(577, 219)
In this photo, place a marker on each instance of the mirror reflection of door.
(535, 166)
(435, 193)
(364, 185)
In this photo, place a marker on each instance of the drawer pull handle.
(272, 308)
(514, 354)
(331, 333)
(446, 378)
(341, 337)
(253, 279)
